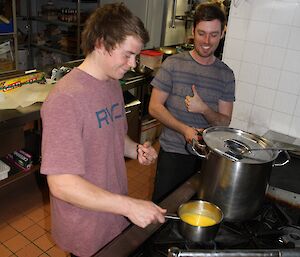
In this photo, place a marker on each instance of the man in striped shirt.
(192, 91)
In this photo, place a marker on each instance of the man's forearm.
(215, 118)
(161, 113)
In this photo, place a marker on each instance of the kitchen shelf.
(56, 50)
(55, 22)
(17, 174)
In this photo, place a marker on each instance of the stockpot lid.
(235, 144)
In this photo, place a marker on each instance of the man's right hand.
(142, 213)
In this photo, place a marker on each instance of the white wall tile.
(294, 39)
(283, 12)
(245, 92)
(278, 35)
(257, 129)
(297, 108)
(231, 48)
(240, 10)
(234, 65)
(249, 73)
(264, 97)
(292, 61)
(280, 122)
(296, 18)
(261, 10)
(253, 52)
(260, 115)
(285, 102)
(289, 82)
(273, 56)
(295, 127)
(242, 110)
(274, 74)
(239, 124)
(237, 28)
(257, 31)
(269, 77)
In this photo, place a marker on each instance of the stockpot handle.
(288, 158)
(196, 145)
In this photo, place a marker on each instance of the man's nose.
(132, 62)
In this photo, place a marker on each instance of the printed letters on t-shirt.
(111, 114)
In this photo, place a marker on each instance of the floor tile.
(30, 250)
(37, 214)
(4, 251)
(33, 232)
(57, 252)
(16, 243)
(7, 232)
(45, 223)
(44, 242)
(21, 223)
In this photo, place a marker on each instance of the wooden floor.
(25, 228)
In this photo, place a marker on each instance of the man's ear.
(223, 32)
(99, 45)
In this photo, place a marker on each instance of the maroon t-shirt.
(84, 127)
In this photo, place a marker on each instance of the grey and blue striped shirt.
(176, 76)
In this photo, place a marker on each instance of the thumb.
(194, 90)
(147, 144)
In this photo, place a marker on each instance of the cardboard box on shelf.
(150, 130)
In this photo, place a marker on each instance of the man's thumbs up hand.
(195, 103)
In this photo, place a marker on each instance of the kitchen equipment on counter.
(236, 183)
(199, 220)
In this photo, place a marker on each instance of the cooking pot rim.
(215, 137)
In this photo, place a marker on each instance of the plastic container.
(151, 58)
(4, 169)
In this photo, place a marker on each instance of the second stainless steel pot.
(237, 184)
(199, 220)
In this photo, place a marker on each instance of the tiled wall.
(262, 46)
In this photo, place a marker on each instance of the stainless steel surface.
(285, 196)
(175, 252)
(172, 217)
(134, 236)
(199, 233)
(237, 188)
(221, 139)
(283, 140)
(241, 148)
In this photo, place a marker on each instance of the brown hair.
(111, 24)
(209, 12)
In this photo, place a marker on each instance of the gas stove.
(275, 231)
(275, 227)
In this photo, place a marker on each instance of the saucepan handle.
(288, 158)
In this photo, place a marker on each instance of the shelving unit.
(55, 29)
(9, 43)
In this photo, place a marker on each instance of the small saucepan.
(199, 220)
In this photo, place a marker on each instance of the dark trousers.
(172, 170)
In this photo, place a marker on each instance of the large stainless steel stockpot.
(233, 177)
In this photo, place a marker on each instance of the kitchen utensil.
(199, 220)
(237, 185)
(241, 148)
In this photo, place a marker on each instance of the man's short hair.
(111, 24)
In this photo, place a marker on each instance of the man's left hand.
(146, 154)
(195, 103)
